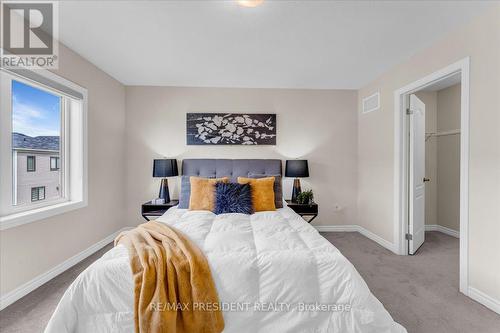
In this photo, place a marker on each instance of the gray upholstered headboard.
(230, 168)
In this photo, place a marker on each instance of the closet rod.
(442, 133)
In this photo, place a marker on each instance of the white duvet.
(273, 272)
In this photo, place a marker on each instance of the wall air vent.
(371, 103)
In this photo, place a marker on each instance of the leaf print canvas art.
(231, 129)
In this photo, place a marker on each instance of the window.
(38, 193)
(30, 163)
(42, 126)
(37, 128)
(54, 163)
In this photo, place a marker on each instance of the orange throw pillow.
(262, 192)
(203, 192)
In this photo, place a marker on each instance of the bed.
(273, 272)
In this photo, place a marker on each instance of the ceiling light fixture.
(250, 3)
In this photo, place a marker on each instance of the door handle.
(427, 179)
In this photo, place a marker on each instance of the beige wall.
(448, 158)
(481, 41)
(319, 125)
(32, 249)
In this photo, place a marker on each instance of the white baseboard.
(21, 291)
(444, 230)
(356, 228)
(336, 228)
(377, 239)
(487, 301)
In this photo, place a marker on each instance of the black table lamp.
(296, 168)
(165, 168)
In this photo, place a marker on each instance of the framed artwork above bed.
(230, 129)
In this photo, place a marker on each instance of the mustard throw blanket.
(173, 286)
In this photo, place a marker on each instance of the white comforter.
(273, 271)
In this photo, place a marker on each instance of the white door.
(416, 228)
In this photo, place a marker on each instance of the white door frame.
(401, 162)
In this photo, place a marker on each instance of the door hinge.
(408, 236)
(409, 111)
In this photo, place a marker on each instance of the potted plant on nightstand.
(305, 198)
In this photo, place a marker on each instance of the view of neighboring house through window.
(36, 133)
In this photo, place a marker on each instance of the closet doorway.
(432, 149)
(441, 155)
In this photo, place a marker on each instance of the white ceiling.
(280, 44)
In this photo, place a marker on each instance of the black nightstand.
(304, 209)
(150, 209)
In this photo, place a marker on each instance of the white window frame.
(73, 157)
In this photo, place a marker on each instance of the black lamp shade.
(165, 168)
(296, 168)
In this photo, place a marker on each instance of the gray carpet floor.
(420, 292)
